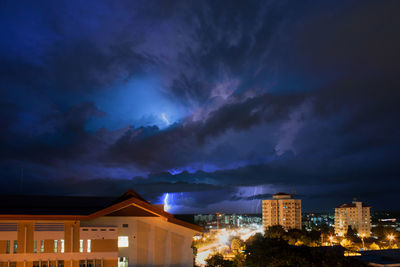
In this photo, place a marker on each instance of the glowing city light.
(223, 238)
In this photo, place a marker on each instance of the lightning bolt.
(167, 206)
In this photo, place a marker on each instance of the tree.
(237, 245)
(379, 231)
(374, 246)
(346, 243)
(217, 260)
(294, 236)
(239, 260)
(194, 248)
(352, 235)
(267, 252)
(327, 230)
(275, 232)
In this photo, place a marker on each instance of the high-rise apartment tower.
(282, 210)
(355, 215)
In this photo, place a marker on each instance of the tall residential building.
(49, 231)
(282, 210)
(356, 215)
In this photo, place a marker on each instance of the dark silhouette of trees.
(275, 232)
(237, 245)
(217, 260)
(268, 252)
(293, 236)
(352, 235)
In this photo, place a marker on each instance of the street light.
(331, 239)
(391, 238)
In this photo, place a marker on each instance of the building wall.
(283, 211)
(3, 246)
(152, 240)
(104, 245)
(160, 245)
(357, 217)
(24, 233)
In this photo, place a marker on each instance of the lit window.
(55, 246)
(122, 262)
(81, 245)
(41, 246)
(89, 246)
(123, 242)
(15, 246)
(34, 246)
(62, 245)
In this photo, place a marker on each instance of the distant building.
(317, 220)
(356, 215)
(282, 210)
(218, 220)
(49, 231)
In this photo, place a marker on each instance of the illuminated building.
(282, 210)
(210, 221)
(91, 232)
(355, 215)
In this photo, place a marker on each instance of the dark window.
(8, 247)
(60, 263)
(13, 264)
(82, 263)
(44, 264)
(36, 264)
(90, 263)
(125, 225)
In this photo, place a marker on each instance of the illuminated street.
(222, 241)
(205, 133)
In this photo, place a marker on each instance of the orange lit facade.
(128, 231)
(282, 210)
(356, 215)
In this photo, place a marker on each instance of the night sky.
(217, 103)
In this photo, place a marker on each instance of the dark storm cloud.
(65, 136)
(149, 146)
(277, 94)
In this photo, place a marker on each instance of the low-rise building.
(356, 215)
(49, 231)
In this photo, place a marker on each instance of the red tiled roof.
(351, 206)
(281, 194)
